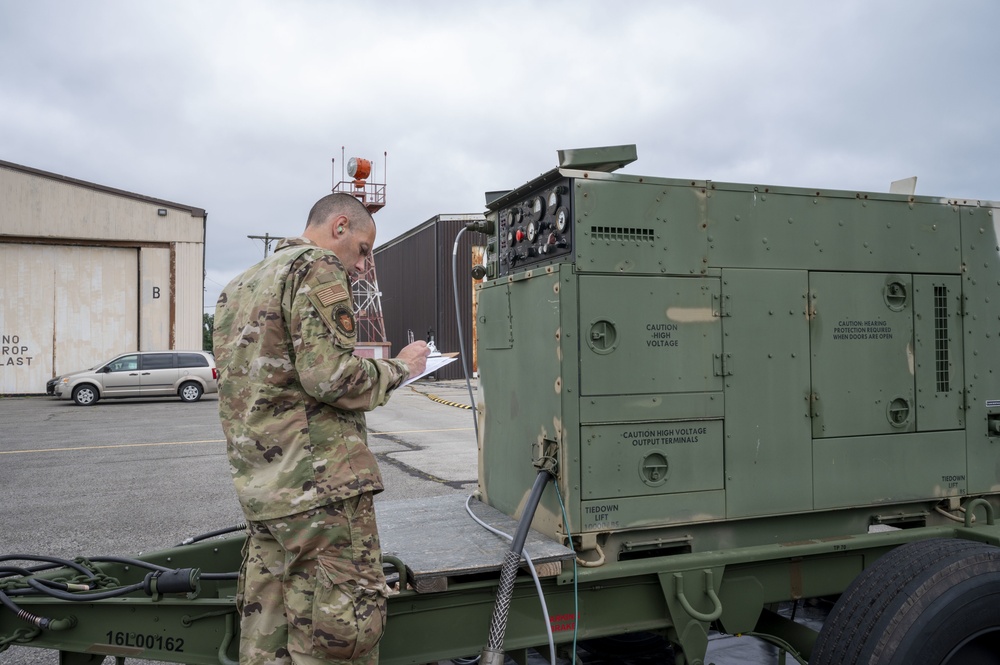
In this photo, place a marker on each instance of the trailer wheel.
(933, 602)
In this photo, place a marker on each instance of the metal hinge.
(720, 305)
(722, 363)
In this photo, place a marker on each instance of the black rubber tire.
(190, 391)
(85, 395)
(932, 602)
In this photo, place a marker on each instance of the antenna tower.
(367, 297)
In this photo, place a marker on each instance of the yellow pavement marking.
(182, 443)
(421, 431)
(116, 445)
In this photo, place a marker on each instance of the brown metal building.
(415, 279)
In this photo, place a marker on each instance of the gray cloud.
(239, 107)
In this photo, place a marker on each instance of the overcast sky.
(239, 107)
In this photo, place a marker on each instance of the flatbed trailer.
(444, 610)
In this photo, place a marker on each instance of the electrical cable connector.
(545, 456)
(482, 226)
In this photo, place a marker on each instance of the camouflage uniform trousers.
(311, 589)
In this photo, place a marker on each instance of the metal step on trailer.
(440, 544)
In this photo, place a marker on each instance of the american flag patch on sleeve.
(331, 294)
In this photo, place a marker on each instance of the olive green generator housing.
(707, 366)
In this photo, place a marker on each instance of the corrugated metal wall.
(415, 278)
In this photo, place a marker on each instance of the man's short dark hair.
(340, 204)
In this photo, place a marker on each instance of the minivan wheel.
(85, 395)
(190, 392)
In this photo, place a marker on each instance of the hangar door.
(63, 309)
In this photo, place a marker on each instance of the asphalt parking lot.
(124, 477)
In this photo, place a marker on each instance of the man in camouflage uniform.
(292, 397)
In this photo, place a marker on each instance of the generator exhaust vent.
(941, 361)
(623, 234)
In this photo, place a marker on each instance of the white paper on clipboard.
(434, 363)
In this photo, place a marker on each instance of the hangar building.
(88, 272)
(415, 279)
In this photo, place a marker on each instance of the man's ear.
(340, 226)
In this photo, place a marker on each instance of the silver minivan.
(187, 374)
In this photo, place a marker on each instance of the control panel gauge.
(562, 220)
(536, 208)
(554, 199)
(532, 231)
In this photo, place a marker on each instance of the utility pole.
(267, 238)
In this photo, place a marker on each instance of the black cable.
(521, 535)
(44, 623)
(154, 567)
(49, 559)
(211, 534)
(84, 597)
(15, 570)
(493, 651)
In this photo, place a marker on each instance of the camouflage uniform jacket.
(292, 394)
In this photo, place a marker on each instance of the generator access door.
(861, 343)
(648, 335)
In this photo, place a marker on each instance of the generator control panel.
(536, 228)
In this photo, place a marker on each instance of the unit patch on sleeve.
(344, 318)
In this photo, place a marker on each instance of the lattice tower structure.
(367, 297)
(368, 304)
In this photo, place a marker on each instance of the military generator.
(719, 375)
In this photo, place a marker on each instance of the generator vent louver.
(941, 363)
(623, 234)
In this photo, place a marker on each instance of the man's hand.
(415, 356)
